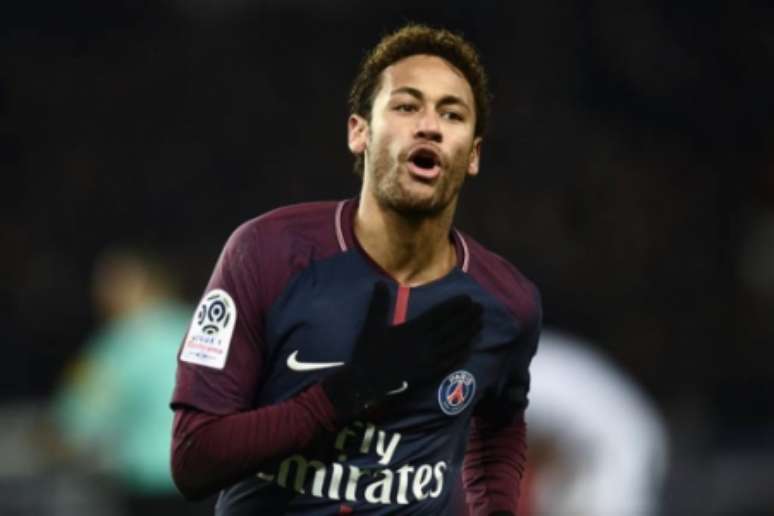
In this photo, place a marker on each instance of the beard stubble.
(391, 194)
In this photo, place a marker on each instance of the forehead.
(432, 75)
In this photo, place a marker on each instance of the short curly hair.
(410, 40)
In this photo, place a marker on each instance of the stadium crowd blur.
(629, 171)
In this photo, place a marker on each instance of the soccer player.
(364, 356)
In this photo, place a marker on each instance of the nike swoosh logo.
(400, 389)
(296, 365)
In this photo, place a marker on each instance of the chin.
(412, 199)
(416, 205)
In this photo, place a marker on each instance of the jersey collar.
(345, 233)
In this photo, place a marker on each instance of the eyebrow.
(445, 100)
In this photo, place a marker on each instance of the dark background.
(628, 171)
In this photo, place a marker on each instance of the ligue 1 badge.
(456, 392)
(209, 335)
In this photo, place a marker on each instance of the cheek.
(463, 151)
(388, 128)
(385, 144)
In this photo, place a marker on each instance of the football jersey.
(283, 309)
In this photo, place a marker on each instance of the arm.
(219, 436)
(494, 465)
(210, 452)
(496, 456)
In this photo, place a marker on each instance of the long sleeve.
(211, 451)
(494, 465)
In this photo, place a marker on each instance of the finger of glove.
(445, 311)
(378, 307)
(450, 362)
(442, 360)
(448, 330)
(458, 347)
(435, 335)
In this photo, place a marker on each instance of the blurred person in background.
(107, 410)
(364, 355)
(598, 446)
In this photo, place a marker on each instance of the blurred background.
(629, 171)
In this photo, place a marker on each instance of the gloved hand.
(417, 352)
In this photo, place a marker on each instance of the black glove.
(417, 352)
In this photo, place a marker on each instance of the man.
(110, 392)
(364, 356)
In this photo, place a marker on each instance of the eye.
(406, 108)
(453, 115)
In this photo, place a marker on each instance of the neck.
(412, 250)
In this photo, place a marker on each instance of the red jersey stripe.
(401, 304)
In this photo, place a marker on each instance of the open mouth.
(424, 163)
(423, 160)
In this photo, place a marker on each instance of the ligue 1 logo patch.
(456, 392)
(209, 335)
(214, 312)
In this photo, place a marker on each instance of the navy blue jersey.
(283, 309)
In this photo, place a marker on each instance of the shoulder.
(503, 280)
(272, 248)
(287, 237)
(313, 221)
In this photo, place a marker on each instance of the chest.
(313, 328)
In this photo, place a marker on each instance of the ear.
(357, 134)
(475, 157)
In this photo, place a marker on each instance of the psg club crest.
(456, 392)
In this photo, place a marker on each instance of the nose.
(428, 127)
